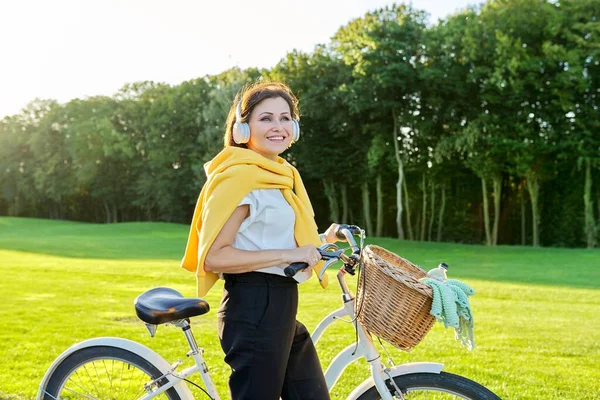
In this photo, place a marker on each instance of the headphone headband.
(238, 111)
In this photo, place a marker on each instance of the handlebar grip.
(338, 231)
(294, 268)
(355, 230)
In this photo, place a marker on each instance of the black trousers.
(270, 354)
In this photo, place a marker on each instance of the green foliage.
(507, 89)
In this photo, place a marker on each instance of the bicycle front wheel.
(103, 373)
(433, 387)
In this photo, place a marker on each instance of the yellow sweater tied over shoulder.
(231, 175)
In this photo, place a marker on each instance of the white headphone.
(241, 130)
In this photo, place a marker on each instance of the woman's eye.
(268, 119)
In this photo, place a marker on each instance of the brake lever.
(327, 264)
(326, 246)
(326, 255)
(331, 257)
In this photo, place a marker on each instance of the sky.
(64, 49)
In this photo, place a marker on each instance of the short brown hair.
(250, 96)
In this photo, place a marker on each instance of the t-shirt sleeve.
(250, 199)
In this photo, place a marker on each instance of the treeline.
(483, 128)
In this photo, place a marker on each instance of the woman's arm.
(223, 257)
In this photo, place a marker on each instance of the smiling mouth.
(276, 138)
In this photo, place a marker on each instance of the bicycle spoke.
(108, 375)
(140, 393)
(80, 384)
(105, 373)
(130, 377)
(81, 394)
(98, 376)
(96, 380)
(91, 379)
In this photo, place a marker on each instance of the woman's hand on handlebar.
(308, 254)
(330, 234)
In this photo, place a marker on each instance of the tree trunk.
(60, 208)
(523, 217)
(598, 205)
(106, 211)
(115, 216)
(345, 207)
(590, 223)
(497, 181)
(333, 204)
(533, 187)
(431, 218)
(424, 213)
(486, 212)
(399, 227)
(379, 225)
(96, 211)
(407, 203)
(441, 214)
(367, 208)
(17, 205)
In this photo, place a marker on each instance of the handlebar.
(342, 232)
(294, 268)
(352, 230)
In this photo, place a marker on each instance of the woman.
(254, 218)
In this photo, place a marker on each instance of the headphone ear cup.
(296, 130)
(241, 132)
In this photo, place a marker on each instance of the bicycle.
(82, 371)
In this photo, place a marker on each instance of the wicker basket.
(391, 302)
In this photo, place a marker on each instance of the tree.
(53, 170)
(330, 140)
(576, 51)
(507, 52)
(383, 48)
(100, 156)
(16, 166)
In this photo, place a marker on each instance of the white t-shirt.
(270, 226)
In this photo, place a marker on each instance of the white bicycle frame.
(364, 348)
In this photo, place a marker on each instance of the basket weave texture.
(391, 302)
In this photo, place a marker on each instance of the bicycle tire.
(419, 386)
(66, 383)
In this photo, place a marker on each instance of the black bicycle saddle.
(160, 305)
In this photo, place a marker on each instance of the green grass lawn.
(536, 310)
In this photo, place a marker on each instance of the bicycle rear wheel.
(434, 387)
(104, 372)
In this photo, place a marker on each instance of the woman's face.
(271, 127)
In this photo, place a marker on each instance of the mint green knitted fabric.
(450, 305)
